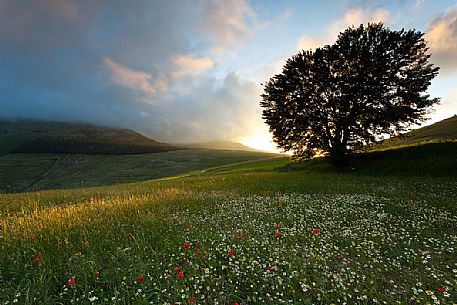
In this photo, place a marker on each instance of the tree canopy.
(371, 82)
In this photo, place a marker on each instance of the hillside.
(30, 172)
(220, 145)
(25, 136)
(442, 131)
(280, 232)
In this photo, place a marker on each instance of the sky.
(182, 70)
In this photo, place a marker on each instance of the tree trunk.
(338, 154)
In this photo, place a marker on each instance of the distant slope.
(226, 145)
(442, 131)
(30, 172)
(27, 136)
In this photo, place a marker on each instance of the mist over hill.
(29, 136)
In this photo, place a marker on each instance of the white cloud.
(356, 17)
(353, 17)
(226, 22)
(191, 65)
(442, 38)
(446, 108)
(136, 80)
(306, 43)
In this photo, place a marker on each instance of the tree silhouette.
(371, 82)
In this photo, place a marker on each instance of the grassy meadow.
(32, 172)
(381, 231)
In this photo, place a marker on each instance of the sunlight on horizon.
(261, 140)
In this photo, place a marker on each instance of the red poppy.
(441, 290)
(186, 246)
(140, 278)
(129, 234)
(191, 300)
(71, 282)
(301, 276)
(271, 269)
(278, 235)
(177, 269)
(315, 231)
(198, 243)
(12, 213)
(36, 260)
(231, 252)
(236, 303)
(181, 275)
(97, 274)
(198, 250)
(278, 225)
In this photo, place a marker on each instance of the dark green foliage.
(369, 83)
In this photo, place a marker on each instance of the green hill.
(25, 136)
(219, 145)
(442, 131)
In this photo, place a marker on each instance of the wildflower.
(12, 213)
(191, 300)
(97, 273)
(271, 269)
(186, 246)
(36, 260)
(278, 225)
(198, 243)
(231, 252)
(177, 269)
(71, 282)
(198, 250)
(93, 299)
(140, 278)
(278, 234)
(315, 231)
(301, 276)
(181, 275)
(129, 234)
(440, 289)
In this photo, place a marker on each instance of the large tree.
(371, 82)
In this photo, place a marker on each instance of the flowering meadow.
(241, 237)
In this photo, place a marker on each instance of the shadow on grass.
(431, 160)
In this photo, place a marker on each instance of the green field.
(439, 132)
(387, 234)
(29, 172)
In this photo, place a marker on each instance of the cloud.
(447, 107)
(305, 43)
(226, 22)
(136, 80)
(219, 108)
(356, 17)
(353, 17)
(191, 65)
(442, 39)
(22, 22)
(146, 65)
